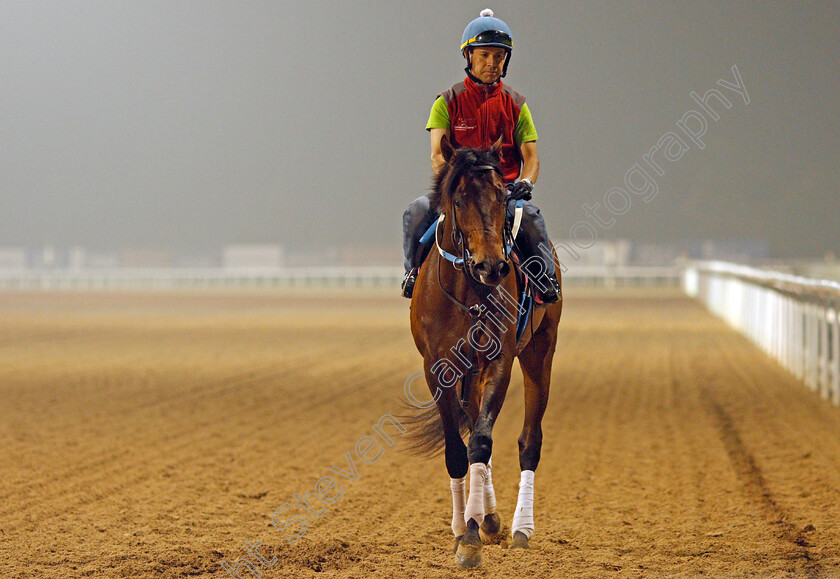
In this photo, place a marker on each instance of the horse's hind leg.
(535, 360)
(467, 537)
(471, 514)
(456, 460)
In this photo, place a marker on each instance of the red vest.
(479, 113)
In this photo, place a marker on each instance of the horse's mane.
(462, 162)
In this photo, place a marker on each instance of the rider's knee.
(531, 211)
(416, 212)
(421, 205)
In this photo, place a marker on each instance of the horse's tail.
(425, 431)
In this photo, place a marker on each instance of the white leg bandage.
(489, 493)
(523, 519)
(475, 502)
(459, 503)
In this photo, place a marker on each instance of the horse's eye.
(457, 204)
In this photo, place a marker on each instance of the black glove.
(521, 190)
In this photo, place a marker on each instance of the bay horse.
(463, 320)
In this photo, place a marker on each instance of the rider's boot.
(408, 283)
(550, 291)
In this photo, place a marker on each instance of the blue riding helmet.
(487, 30)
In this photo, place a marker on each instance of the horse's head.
(470, 191)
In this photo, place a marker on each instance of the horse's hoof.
(468, 547)
(520, 541)
(490, 529)
(457, 542)
(467, 556)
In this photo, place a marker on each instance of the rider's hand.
(522, 190)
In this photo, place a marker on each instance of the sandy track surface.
(153, 435)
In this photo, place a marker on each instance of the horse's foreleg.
(468, 549)
(467, 552)
(482, 522)
(492, 524)
(480, 449)
(523, 518)
(475, 504)
(481, 504)
(536, 369)
(489, 493)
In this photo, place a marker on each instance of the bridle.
(462, 262)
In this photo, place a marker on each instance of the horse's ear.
(496, 149)
(446, 149)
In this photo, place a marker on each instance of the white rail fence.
(304, 277)
(206, 277)
(793, 319)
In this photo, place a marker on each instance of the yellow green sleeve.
(525, 130)
(439, 117)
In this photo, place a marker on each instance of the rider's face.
(487, 63)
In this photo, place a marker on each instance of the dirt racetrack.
(152, 435)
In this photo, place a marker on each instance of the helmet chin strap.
(475, 79)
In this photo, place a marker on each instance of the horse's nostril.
(502, 269)
(482, 268)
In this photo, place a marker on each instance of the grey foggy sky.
(160, 124)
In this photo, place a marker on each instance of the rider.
(474, 113)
